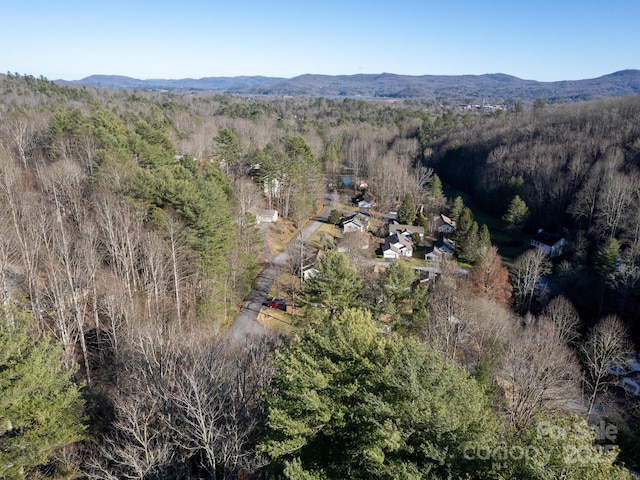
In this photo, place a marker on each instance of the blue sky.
(543, 40)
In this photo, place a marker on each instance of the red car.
(278, 303)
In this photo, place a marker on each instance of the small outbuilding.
(264, 215)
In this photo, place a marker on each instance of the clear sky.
(543, 40)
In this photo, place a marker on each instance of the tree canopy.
(516, 214)
(346, 402)
(335, 286)
(407, 213)
(40, 406)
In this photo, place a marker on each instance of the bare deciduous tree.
(22, 207)
(10, 270)
(183, 407)
(121, 225)
(446, 322)
(585, 201)
(138, 443)
(540, 373)
(217, 410)
(20, 130)
(605, 346)
(564, 319)
(139, 447)
(526, 274)
(489, 325)
(616, 194)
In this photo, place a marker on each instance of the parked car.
(278, 303)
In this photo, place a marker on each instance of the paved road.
(246, 324)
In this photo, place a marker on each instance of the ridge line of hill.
(492, 87)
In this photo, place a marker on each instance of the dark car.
(278, 303)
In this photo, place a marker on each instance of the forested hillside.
(575, 167)
(129, 240)
(492, 88)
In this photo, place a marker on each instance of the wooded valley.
(130, 239)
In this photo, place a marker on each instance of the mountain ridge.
(489, 86)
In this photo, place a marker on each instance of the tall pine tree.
(517, 214)
(407, 213)
(347, 402)
(335, 286)
(40, 406)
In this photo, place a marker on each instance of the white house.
(552, 244)
(308, 265)
(264, 215)
(397, 245)
(309, 272)
(355, 223)
(364, 204)
(364, 200)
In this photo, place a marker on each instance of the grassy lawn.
(417, 260)
(324, 236)
(283, 286)
(276, 320)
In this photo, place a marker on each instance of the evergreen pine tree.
(517, 214)
(350, 403)
(435, 188)
(335, 286)
(607, 258)
(407, 213)
(456, 209)
(40, 407)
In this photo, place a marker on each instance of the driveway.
(246, 324)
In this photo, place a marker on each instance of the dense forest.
(576, 169)
(128, 245)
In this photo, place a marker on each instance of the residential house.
(355, 223)
(364, 200)
(308, 265)
(443, 224)
(397, 245)
(364, 204)
(271, 185)
(309, 272)
(264, 215)
(552, 244)
(395, 227)
(439, 250)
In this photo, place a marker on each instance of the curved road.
(246, 324)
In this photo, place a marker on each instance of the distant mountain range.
(495, 87)
(217, 84)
